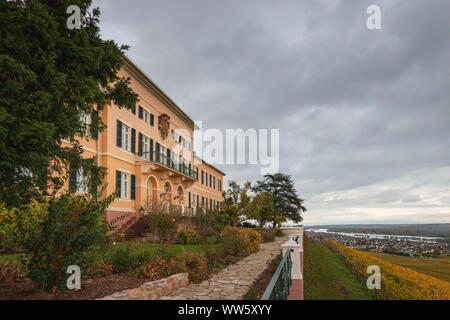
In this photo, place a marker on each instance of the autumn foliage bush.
(12, 271)
(267, 235)
(240, 241)
(397, 283)
(195, 264)
(157, 268)
(188, 237)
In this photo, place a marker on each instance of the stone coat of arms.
(164, 125)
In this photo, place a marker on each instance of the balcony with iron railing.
(165, 162)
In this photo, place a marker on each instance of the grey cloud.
(354, 107)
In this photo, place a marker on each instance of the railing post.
(296, 291)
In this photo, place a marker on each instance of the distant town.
(413, 246)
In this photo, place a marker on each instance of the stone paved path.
(233, 282)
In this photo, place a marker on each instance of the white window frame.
(81, 186)
(125, 185)
(126, 137)
(145, 147)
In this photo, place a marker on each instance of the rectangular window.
(77, 181)
(194, 200)
(126, 137)
(81, 182)
(146, 116)
(125, 186)
(146, 147)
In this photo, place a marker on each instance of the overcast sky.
(364, 115)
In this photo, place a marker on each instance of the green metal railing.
(278, 288)
(169, 163)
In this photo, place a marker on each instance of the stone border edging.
(151, 290)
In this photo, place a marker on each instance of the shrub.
(209, 222)
(234, 241)
(193, 263)
(213, 254)
(254, 240)
(127, 256)
(99, 270)
(10, 221)
(240, 241)
(61, 232)
(268, 235)
(278, 231)
(11, 271)
(163, 225)
(188, 237)
(156, 269)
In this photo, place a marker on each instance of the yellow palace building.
(148, 152)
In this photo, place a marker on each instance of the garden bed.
(259, 286)
(90, 289)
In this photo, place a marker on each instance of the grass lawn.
(435, 267)
(326, 277)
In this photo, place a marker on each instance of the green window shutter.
(151, 149)
(73, 179)
(118, 182)
(119, 134)
(168, 158)
(140, 138)
(189, 199)
(133, 140)
(133, 110)
(152, 119)
(157, 152)
(141, 112)
(95, 120)
(133, 187)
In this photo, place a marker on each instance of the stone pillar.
(296, 290)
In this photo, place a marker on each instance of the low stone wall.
(151, 290)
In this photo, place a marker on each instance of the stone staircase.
(131, 228)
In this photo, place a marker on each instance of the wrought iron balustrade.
(170, 163)
(279, 285)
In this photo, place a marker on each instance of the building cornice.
(140, 76)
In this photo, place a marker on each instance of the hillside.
(424, 230)
(397, 282)
(326, 277)
(438, 267)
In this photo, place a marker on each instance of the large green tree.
(284, 196)
(236, 202)
(50, 76)
(261, 209)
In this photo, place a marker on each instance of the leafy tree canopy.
(50, 76)
(284, 196)
(236, 201)
(261, 209)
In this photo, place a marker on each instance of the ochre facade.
(148, 153)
